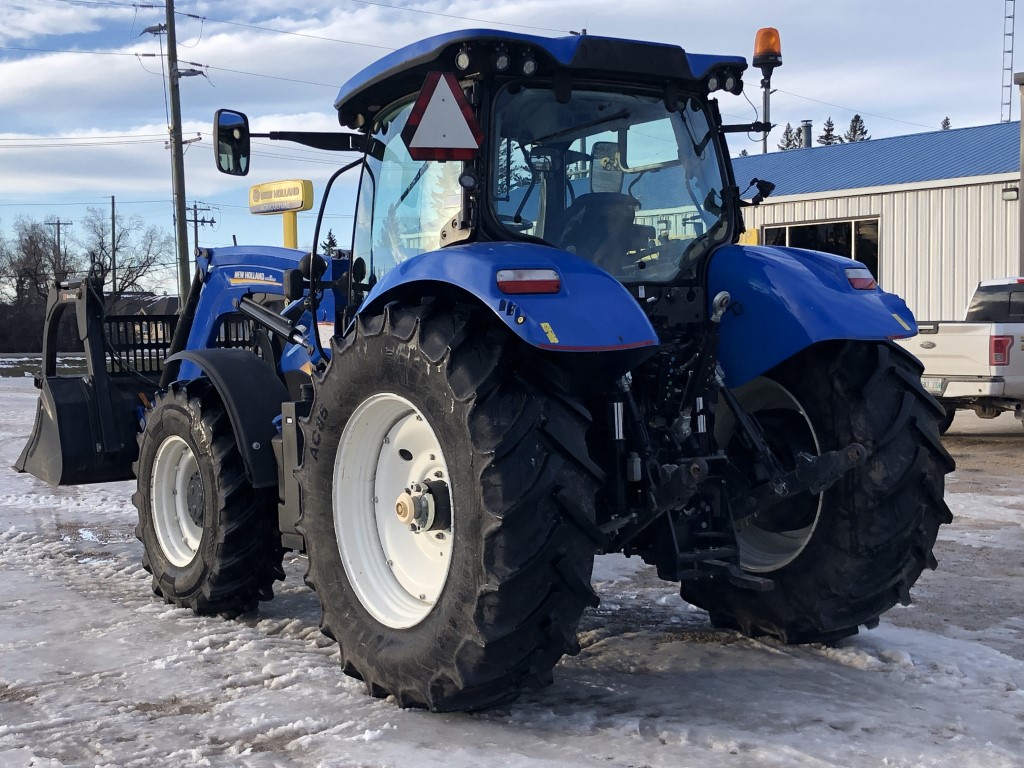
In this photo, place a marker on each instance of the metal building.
(931, 214)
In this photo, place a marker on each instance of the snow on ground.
(94, 671)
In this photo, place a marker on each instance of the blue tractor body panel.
(592, 312)
(786, 299)
(236, 271)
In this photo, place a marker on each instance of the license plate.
(932, 384)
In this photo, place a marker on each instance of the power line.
(293, 34)
(70, 144)
(79, 138)
(87, 202)
(460, 18)
(332, 86)
(855, 111)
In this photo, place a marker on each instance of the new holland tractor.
(545, 344)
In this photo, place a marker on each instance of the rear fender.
(786, 299)
(592, 312)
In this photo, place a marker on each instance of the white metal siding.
(934, 245)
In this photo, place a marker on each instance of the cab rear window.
(997, 304)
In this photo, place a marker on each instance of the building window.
(856, 239)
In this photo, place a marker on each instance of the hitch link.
(812, 473)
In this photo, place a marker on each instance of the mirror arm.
(333, 142)
(755, 127)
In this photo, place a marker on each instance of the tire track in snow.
(240, 663)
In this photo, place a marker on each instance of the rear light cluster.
(999, 350)
(861, 278)
(520, 281)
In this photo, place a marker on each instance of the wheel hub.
(196, 498)
(424, 507)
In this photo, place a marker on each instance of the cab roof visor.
(403, 71)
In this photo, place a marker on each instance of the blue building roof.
(952, 154)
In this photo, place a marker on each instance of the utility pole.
(57, 263)
(196, 221)
(177, 160)
(113, 249)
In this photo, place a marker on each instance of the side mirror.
(358, 270)
(764, 188)
(231, 148)
(606, 168)
(294, 284)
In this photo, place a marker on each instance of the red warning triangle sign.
(442, 125)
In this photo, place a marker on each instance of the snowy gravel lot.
(95, 671)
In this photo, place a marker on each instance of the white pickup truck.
(977, 363)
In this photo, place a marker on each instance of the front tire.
(425, 410)
(841, 558)
(210, 540)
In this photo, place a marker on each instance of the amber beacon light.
(767, 56)
(767, 49)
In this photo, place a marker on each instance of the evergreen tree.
(857, 131)
(790, 139)
(329, 244)
(946, 125)
(828, 136)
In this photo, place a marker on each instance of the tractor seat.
(599, 227)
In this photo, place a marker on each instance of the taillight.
(861, 278)
(999, 350)
(517, 281)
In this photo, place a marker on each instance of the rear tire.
(854, 551)
(946, 421)
(210, 540)
(432, 394)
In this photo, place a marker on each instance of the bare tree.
(139, 251)
(29, 264)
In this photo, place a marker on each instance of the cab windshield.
(613, 177)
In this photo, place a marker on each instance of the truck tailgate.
(957, 359)
(952, 348)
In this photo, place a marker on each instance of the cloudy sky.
(83, 115)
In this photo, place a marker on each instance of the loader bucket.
(77, 439)
(86, 427)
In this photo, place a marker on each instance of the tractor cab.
(609, 149)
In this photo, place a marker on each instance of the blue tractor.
(545, 344)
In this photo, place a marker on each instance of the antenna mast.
(1006, 109)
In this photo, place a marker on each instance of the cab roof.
(403, 71)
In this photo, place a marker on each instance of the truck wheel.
(210, 539)
(841, 558)
(447, 499)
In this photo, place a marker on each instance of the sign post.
(286, 198)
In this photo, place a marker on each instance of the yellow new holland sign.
(281, 196)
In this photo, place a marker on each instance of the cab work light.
(518, 281)
(861, 278)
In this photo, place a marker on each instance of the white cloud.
(892, 59)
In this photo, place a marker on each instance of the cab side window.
(405, 202)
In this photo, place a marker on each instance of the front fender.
(786, 299)
(252, 395)
(592, 312)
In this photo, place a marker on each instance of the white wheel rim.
(761, 550)
(397, 574)
(174, 469)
